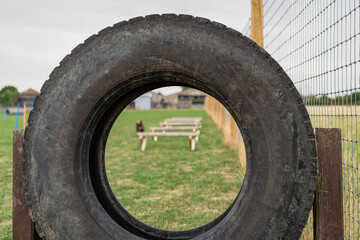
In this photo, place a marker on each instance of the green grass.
(168, 186)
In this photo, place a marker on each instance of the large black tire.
(64, 177)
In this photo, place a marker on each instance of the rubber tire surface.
(64, 142)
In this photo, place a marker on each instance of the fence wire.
(318, 45)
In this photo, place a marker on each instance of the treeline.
(8, 96)
(349, 99)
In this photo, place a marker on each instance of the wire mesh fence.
(247, 28)
(318, 45)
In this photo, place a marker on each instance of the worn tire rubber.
(64, 178)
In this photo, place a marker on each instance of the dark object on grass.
(64, 171)
(139, 126)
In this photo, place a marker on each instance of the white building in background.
(189, 98)
(143, 102)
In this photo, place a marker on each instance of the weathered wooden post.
(22, 225)
(257, 22)
(328, 209)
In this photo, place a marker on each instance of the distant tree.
(8, 96)
(318, 100)
(349, 99)
(355, 98)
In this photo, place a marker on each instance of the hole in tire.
(168, 186)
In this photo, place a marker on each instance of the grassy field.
(168, 186)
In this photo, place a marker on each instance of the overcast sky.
(35, 35)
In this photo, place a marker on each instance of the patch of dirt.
(154, 198)
(116, 151)
(217, 150)
(128, 181)
(5, 223)
(165, 194)
(202, 209)
(173, 225)
(3, 159)
(187, 168)
(229, 196)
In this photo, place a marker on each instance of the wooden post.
(257, 22)
(328, 209)
(22, 225)
(214, 109)
(218, 111)
(155, 137)
(143, 143)
(192, 143)
(232, 130)
(223, 117)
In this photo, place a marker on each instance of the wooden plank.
(143, 144)
(182, 121)
(257, 22)
(186, 118)
(167, 134)
(222, 116)
(191, 136)
(328, 223)
(23, 227)
(233, 138)
(173, 128)
(164, 124)
(192, 143)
